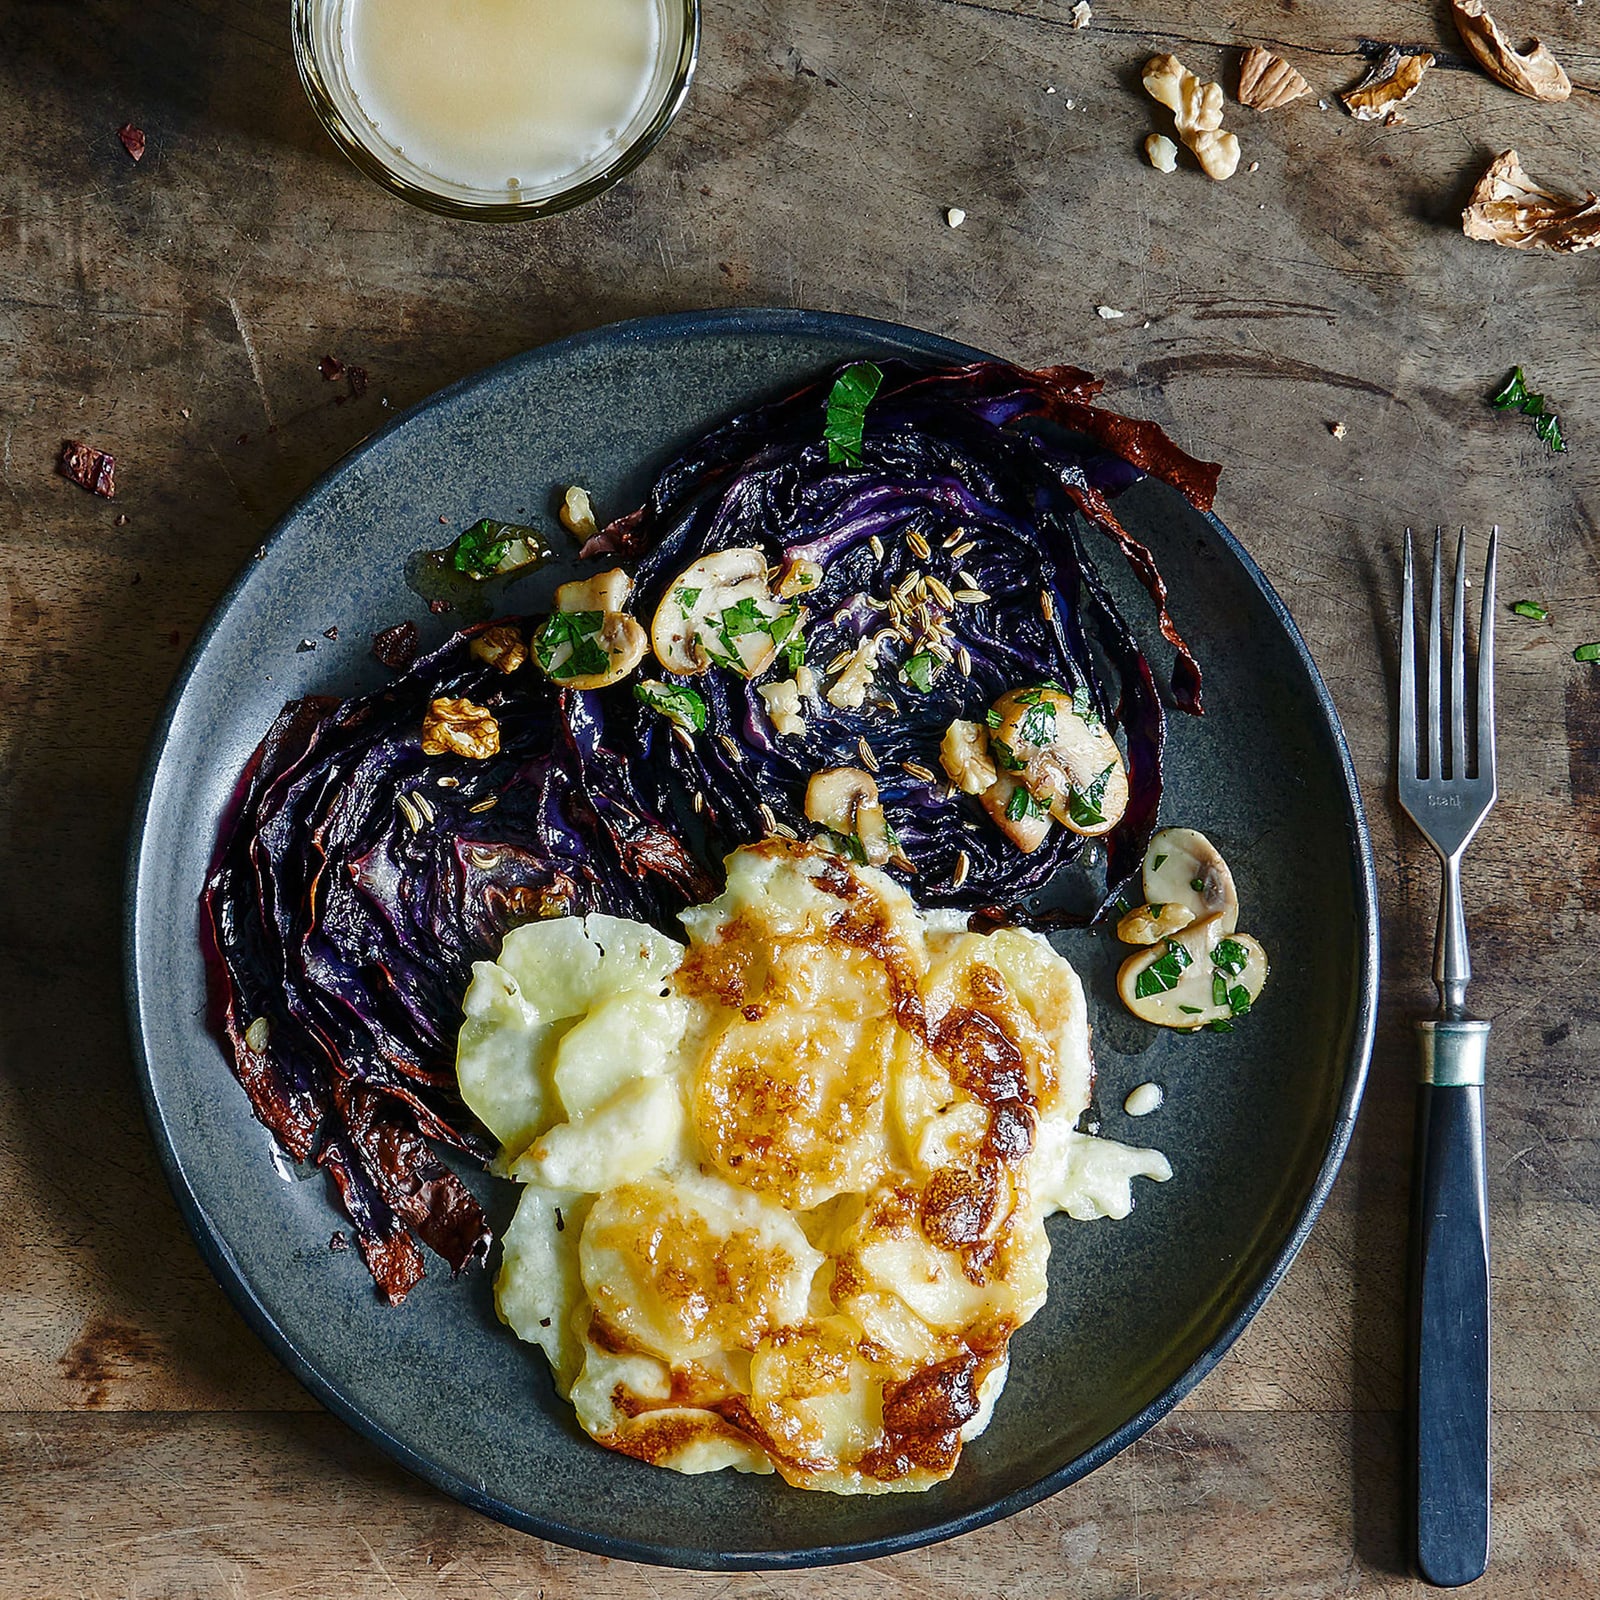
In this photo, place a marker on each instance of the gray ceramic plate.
(1255, 1121)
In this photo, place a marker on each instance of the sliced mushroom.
(964, 755)
(799, 576)
(1065, 756)
(1014, 811)
(1201, 974)
(622, 641)
(606, 591)
(719, 612)
(1150, 924)
(1182, 867)
(845, 800)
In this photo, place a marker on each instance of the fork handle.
(1450, 1307)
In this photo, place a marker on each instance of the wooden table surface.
(175, 311)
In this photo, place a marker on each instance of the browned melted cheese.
(823, 1274)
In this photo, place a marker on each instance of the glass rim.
(374, 167)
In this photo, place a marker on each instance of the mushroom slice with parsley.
(719, 611)
(844, 800)
(1203, 976)
(588, 641)
(1185, 880)
(1012, 808)
(1055, 745)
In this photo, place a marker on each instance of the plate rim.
(230, 1272)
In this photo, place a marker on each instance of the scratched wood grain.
(174, 312)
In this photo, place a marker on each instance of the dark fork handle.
(1450, 1318)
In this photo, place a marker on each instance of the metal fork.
(1450, 1208)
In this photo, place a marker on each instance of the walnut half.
(1507, 207)
(1267, 81)
(460, 728)
(1197, 108)
(1533, 72)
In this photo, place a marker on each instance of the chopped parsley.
(1083, 707)
(1038, 726)
(1155, 866)
(1156, 907)
(852, 393)
(746, 616)
(991, 718)
(1198, 885)
(686, 599)
(1163, 973)
(919, 670)
(1022, 806)
(1239, 1000)
(479, 551)
(1220, 1026)
(1219, 989)
(1004, 755)
(677, 704)
(1531, 609)
(1587, 652)
(1546, 424)
(578, 632)
(1083, 805)
(850, 846)
(1231, 956)
(1191, 1011)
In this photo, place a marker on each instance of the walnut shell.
(1267, 81)
(1533, 72)
(1389, 82)
(1507, 207)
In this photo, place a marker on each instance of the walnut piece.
(90, 469)
(1533, 72)
(1163, 153)
(1390, 81)
(784, 706)
(1081, 14)
(577, 514)
(500, 646)
(1197, 107)
(460, 728)
(1507, 207)
(1267, 81)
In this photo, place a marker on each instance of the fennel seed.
(1047, 606)
(963, 865)
(486, 805)
(964, 660)
(868, 760)
(731, 745)
(875, 544)
(919, 545)
(917, 770)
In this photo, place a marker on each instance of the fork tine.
(1458, 666)
(1435, 664)
(1486, 666)
(1408, 671)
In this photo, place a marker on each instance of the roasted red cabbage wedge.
(356, 879)
(974, 467)
(356, 883)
